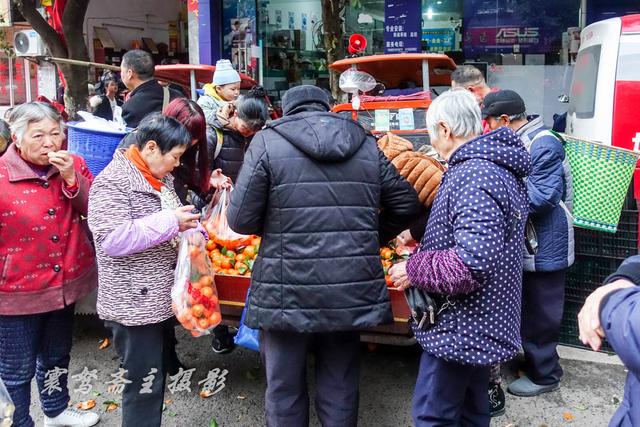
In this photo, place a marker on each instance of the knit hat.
(225, 73)
(304, 98)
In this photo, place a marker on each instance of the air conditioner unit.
(28, 43)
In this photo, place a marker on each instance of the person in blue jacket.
(550, 201)
(611, 311)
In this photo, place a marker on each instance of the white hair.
(459, 109)
(32, 112)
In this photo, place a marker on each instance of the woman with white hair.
(470, 264)
(46, 263)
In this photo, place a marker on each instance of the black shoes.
(222, 342)
(496, 400)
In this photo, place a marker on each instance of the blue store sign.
(439, 39)
(402, 20)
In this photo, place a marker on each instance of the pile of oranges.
(392, 254)
(238, 262)
(387, 255)
(195, 303)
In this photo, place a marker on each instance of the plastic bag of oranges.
(194, 295)
(215, 222)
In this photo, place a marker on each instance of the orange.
(197, 310)
(206, 281)
(387, 279)
(196, 284)
(207, 292)
(226, 263)
(386, 253)
(215, 318)
(194, 252)
(240, 257)
(211, 245)
(247, 274)
(213, 300)
(256, 241)
(203, 323)
(249, 252)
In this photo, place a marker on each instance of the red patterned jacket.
(46, 258)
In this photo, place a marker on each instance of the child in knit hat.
(224, 89)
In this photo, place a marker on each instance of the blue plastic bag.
(246, 336)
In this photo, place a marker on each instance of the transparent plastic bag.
(194, 295)
(6, 407)
(215, 222)
(356, 82)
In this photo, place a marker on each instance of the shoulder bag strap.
(166, 97)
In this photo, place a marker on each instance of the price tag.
(382, 120)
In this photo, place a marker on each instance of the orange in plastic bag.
(194, 295)
(215, 222)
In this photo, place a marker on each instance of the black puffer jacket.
(231, 153)
(145, 99)
(323, 197)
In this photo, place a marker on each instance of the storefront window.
(239, 34)
(293, 53)
(367, 18)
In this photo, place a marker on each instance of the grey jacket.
(133, 289)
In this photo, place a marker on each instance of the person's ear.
(505, 119)
(445, 129)
(151, 145)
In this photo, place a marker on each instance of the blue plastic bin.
(96, 147)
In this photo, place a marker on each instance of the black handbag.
(424, 306)
(530, 238)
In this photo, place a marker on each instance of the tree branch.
(28, 9)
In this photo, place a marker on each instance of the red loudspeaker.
(357, 44)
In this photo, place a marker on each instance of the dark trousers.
(449, 394)
(337, 370)
(31, 345)
(141, 350)
(542, 307)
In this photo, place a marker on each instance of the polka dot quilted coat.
(475, 232)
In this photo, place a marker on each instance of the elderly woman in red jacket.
(47, 263)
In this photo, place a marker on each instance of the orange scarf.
(135, 157)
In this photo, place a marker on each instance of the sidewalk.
(586, 398)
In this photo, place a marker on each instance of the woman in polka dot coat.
(471, 254)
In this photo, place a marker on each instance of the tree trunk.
(76, 77)
(333, 33)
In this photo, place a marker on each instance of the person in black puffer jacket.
(323, 197)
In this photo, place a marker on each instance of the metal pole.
(27, 80)
(82, 63)
(192, 75)
(425, 76)
(583, 14)
(261, 65)
(11, 96)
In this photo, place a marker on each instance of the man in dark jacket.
(147, 95)
(550, 198)
(612, 312)
(323, 197)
